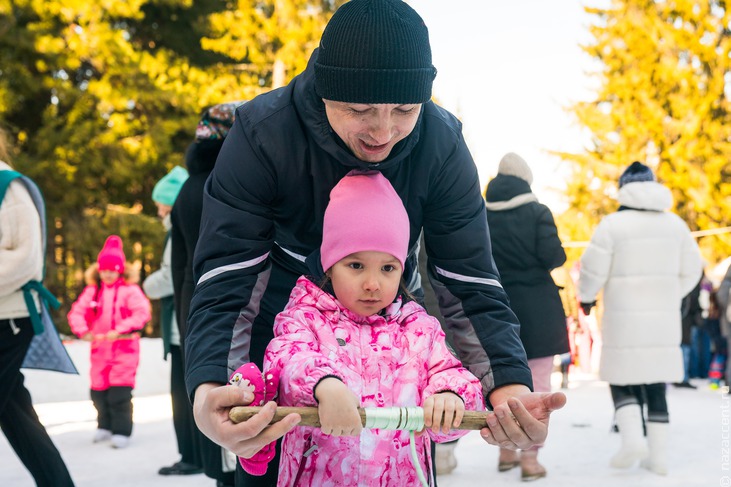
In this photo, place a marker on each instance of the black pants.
(652, 395)
(114, 409)
(194, 447)
(186, 432)
(18, 419)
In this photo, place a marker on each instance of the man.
(362, 103)
(645, 260)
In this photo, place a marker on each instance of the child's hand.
(443, 410)
(88, 336)
(112, 335)
(338, 408)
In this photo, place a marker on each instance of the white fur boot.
(634, 446)
(444, 459)
(657, 438)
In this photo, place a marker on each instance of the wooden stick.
(472, 420)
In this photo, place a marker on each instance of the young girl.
(359, 341)
(109, 312)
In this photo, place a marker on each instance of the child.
(109, 314)
(359, 341)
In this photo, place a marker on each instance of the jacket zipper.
(309, 450)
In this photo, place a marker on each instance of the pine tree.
(663, 100)
(102, 98)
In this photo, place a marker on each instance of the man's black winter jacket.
(263, 208)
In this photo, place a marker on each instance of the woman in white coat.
(645, 260)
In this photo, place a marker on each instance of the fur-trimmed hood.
(131, 275)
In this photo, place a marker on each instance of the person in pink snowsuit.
(351, 337)
(109, 313)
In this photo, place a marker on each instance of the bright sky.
(508, 69)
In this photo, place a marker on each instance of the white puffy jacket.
(646, 260)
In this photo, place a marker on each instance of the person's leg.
(658, 421)
(628, 416)
(541, 369)
(120, 411)
(704, 352)
(687, 354)
(18, 419)
(188, 446)
(103, 420)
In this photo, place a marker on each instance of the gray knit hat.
(375, 51)
(513, 165)
(636, 173)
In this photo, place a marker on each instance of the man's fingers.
(555, 401)
(532, 430)
(258, 432)
(229, 396)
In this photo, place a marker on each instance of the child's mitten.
(250, 378)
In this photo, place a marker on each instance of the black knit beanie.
(636, 173)
(375, 51)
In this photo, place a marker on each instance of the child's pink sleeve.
(446, 373)
(79, 309)
(296, 353)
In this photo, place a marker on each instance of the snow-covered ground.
(576, 454)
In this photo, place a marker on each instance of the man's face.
(371, 131)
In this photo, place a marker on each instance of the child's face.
(109, 277)
(366, 282)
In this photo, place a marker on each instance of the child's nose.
(371, 283)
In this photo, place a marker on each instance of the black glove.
(586, 307)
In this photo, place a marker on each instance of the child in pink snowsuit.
(353, 338)
(109, 313)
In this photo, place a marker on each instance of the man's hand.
(211, 407)
(520, 418)
(338, 408)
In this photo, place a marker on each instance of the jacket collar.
(508, 192)
(645, 195)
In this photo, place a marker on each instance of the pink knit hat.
(364, 213)
(111, 258)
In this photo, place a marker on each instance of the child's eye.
(355, 265)
(389, 268)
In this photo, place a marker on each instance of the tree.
(102, 99)
(663, 100)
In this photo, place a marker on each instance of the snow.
(576, 454)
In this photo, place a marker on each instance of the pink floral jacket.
(398, 359)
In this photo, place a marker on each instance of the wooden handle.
(472, 420)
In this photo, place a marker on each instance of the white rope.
(395, 418)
